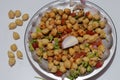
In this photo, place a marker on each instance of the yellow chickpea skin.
(96, 16)
(12, 61)
(11, 14)
(13, 47)
(17, 13)
(16, 36)
(11, 54)
(25, 17)
(102, 24)
(12, 25)
(19, 54)
(60, 11)
(67, 64)
(19, 22)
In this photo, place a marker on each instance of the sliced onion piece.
(69, 42)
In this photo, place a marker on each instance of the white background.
(22, 70)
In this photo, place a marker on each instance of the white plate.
(110, 30)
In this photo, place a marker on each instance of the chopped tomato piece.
(73, 14)
(78, 55)
(35, 45)
(68, 30)
(87, 13)
(59, 73)
(90, 32)
(97, 43)
(63, 21)
(99, 64)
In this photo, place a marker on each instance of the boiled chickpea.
(60, 11)
(51, 14)
(62, 69)
(19, 22)
(72, 20)
(54, 69)
(12, 25)
(96, 16)
(102, 24)
(54, 32)
(17, 13)
(45, 31)
(95, 24)
(71, 51)
(67, 64)
(86, 21)
(33, 35)
(45, 41)
(76, 26)
(74, 66)
(67, 11)
(64, 16)
(25, 17)
(50, 46)
(58, 22)
(82, 70)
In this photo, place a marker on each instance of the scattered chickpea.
(12, 25)
(19, 54)
(11, 14)
(16, 36)
(19, 22)
(12, 61)
(17, 13)
(13, 47)
(11, 54)
(25, 17)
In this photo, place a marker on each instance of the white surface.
(22, 69)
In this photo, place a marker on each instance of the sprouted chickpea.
(11, 14)
(16, 36)
(13, 47)
(17, 13)
(12, 25)
(19, 22)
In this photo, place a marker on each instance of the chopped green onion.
(91, 55)
(89, 69)
(56, 44)
(38, 29)
(50, 38)
(31, 47)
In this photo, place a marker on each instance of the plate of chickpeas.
(64, 41)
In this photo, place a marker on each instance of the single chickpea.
(11, 54)
(16, 36)
(60, 11)
(17, 13)
(67, 11)
(19, 54)
(12, 25)
(11, 14)
(12, 61)
(25, 17)
(33, 35)
(19, 22)
(102, 24)
(96, 16)
(52, 14)
(13, 47)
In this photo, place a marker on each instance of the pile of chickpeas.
(58, 24)
(13, 25)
